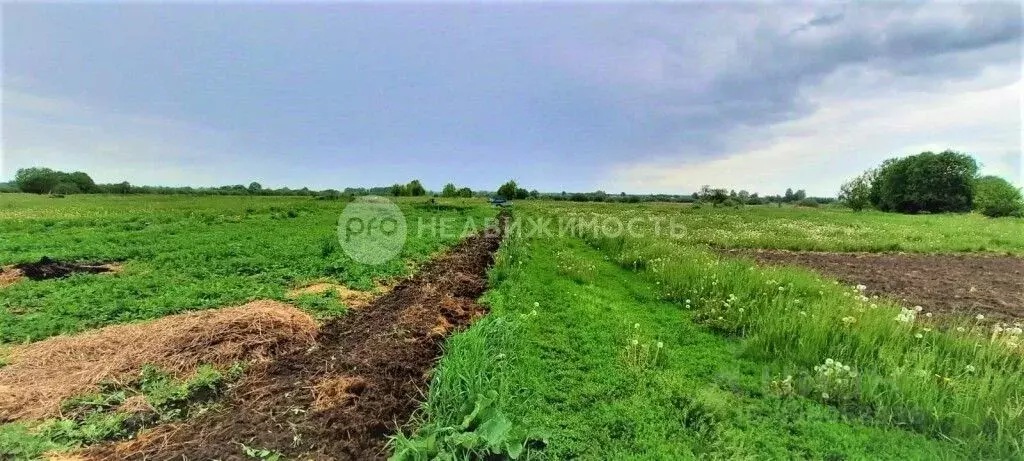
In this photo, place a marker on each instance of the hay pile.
(353, 299)
(10, 275)
(40, 375)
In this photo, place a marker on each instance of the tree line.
(932, 183)
(41, 180)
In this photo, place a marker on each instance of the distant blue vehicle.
(500, 202)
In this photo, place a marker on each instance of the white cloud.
(850, 131)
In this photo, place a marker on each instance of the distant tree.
(399, 190)
(856, 193)
(808, 202)
(121, 188)
(449, 190)
(715, 197)
(37, 180)
(927, 181)
(789, 197)
(995, 197)
(82, 181)
(799, 195)
(465, 192)
(415, 189)
(508, 190)
(255, 188)
(66, 188)
(329, 194)
(534, 193)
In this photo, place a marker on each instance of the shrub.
(996, 197)
(856, 193)
(927, 181)
(65, 188)
(808, 202)
(511, 190)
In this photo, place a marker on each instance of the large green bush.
(995, 197)
(926, 182)
(45, 180)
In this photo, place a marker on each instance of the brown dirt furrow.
(342, 399)
(944, 283)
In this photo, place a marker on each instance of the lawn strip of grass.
(571, 383)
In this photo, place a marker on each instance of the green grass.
(796, 228)
(569, 382)
(949, 385)
(187, 253)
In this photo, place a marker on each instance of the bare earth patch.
(40, 375)
(958, 284)
(48, 268)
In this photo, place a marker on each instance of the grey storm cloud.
(762, 81)
(578, 85)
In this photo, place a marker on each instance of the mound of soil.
(41, 375)
(342, 399)
(958, 284)
(48, 268)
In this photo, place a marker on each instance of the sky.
(641, 98)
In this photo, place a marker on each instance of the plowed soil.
(959, 284)
(341, 399)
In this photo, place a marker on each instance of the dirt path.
(961, 284)
(342, 399)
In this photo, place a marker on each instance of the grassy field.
(798, 228)
(641, 345)
(187, 253)
(615, 331)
